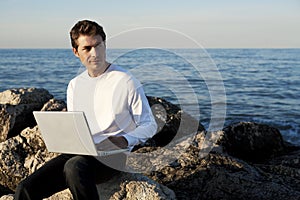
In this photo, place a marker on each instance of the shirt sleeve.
(142, 115)
(70, 96)
(131, 140)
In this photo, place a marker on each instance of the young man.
(118, 114)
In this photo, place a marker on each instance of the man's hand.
(112, 143)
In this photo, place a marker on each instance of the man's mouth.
(94, 61)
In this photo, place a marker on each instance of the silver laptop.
(68, 132)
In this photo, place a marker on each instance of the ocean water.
(259, 85)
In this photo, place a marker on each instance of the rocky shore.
(247, 161)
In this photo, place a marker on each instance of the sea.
(222, 86)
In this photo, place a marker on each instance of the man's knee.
(74, 167)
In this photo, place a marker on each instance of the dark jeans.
(77, 172)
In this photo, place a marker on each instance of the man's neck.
(97, 73)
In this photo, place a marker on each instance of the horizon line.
(121, 48)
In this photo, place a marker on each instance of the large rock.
(23, 154)
(252, 141)
(221, 176)
(171, 121)
(16, 106)
(127, 186)
(284, 169)
(25, 96)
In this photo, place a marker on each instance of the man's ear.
(75, 52)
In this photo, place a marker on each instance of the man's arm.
(146, 126)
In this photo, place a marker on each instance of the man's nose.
(94, 51)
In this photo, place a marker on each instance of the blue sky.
(211, 23)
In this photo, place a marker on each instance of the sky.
(170, 23)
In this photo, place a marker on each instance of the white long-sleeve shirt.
(114, 104)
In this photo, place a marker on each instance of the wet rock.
(284, 169)
(252, 141)
(171, 121)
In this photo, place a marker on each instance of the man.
(117, 111)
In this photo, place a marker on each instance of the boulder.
(222, 176)
(23, 154)
(171, 121)
(25, 96)
(16, 106)
(284, 169)
(128, 186)
(252, 141)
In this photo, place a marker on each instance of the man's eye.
(87, 49)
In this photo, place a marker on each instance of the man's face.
(91, 52)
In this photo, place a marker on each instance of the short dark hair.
(85, 27)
